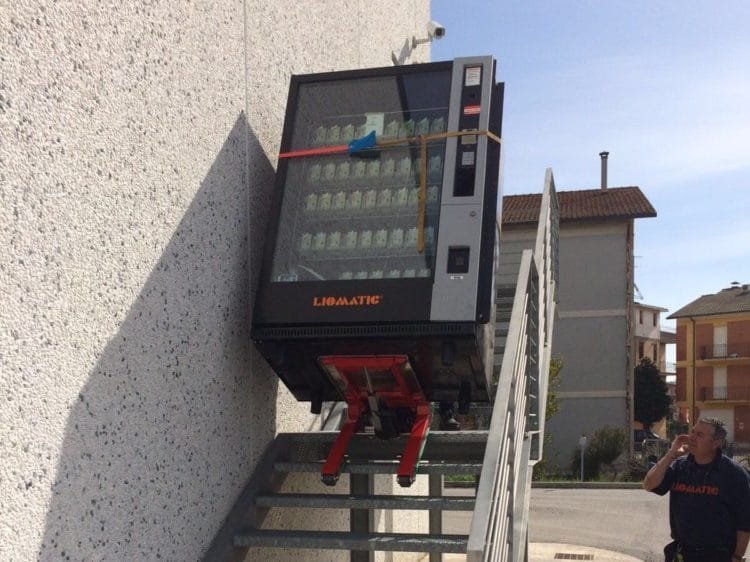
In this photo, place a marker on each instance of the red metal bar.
(331, 471)
(407, 469)
(338, 149)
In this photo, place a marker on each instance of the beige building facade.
(713, 360)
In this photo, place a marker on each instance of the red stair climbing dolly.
(383, 390)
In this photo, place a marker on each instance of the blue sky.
(663, 86)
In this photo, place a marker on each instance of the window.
(656, 316)
(640, 350)
(720, 383)
(640, 317)
(720, 341)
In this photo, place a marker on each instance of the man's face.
(701, 441)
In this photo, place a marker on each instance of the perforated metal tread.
(394, 542)
(341, 501)
(383, 467)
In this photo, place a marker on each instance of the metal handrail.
(725, 351)
(499, 527)
(724, 393)
(547, 254)
(489, 536)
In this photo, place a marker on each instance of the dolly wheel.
(329, 479)
(406, 481)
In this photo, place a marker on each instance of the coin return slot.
(458, 259)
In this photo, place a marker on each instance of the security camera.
(435, 30)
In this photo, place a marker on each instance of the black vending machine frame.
(297, 322)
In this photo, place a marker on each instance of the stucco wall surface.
(569, 424)
(593, 274)
(590, 334)
(137, 146)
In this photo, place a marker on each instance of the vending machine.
(382, 235)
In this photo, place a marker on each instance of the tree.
(551, 407)
(652, 400)
(553, 384)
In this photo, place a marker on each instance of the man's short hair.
(720, 431)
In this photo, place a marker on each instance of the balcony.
(724, 394)
(725, 351)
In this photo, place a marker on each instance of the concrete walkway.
(554, 552)
(458, 522)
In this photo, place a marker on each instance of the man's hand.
(655, 476)
(679, 446)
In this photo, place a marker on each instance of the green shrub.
(603, 448)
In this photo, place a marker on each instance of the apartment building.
(593, 333)
(651, 340)
(713, 359)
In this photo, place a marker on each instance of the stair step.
(505, 290)
(400, 542)
(341, 501)
(435, 437)
(501, 339)
(446, 447)
(381, 467)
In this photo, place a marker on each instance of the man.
(709, 501)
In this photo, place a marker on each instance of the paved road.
(631, 522)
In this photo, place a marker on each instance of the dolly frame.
(402, 391)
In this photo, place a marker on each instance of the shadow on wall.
(172, 418)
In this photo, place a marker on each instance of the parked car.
(641, 436)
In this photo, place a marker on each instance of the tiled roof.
(667, 337)
(727, 301)
(582, 205)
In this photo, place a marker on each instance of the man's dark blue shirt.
(708, 503)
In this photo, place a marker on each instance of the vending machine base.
(384, 390)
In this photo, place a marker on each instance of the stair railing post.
(436, 515)
(360, 520)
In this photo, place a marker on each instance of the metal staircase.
(500, 457)
(445, 453)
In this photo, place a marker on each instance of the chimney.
(603, 156)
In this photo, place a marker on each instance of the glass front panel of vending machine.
(355, 217)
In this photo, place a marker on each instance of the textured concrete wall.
(134, 138)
